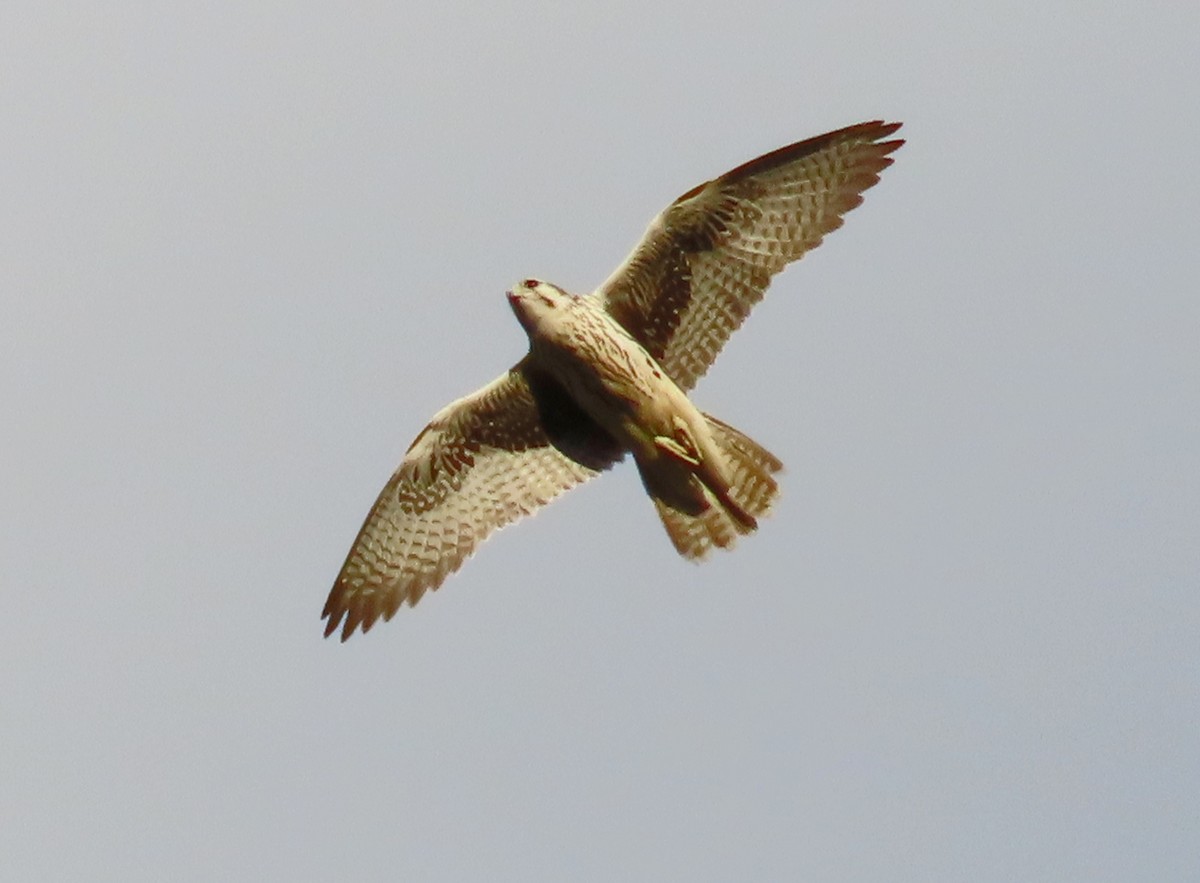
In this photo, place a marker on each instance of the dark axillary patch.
(568, 427)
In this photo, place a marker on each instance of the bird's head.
(538, 304)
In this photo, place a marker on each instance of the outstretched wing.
(484, 461)
(709, 257)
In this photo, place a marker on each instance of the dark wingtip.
(870, 132)
(336, 611)
(331, 623)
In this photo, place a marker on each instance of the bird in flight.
(607, 374)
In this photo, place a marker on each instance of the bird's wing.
(709, 257)
(484, 461)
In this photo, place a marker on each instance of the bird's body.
(621, 387)
(603, 369)
(608, 374)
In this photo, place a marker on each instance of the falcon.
(607, 375)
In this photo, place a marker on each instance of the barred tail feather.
(726, 513)
(751, 467)
(694, 535)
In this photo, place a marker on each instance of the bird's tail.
(715, 516)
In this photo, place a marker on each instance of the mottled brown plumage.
(607, 375)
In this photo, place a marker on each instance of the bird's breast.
(614, 380)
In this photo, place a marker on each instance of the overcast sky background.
(246, 251)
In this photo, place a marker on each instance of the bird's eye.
(530, 283)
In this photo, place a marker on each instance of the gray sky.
(246, 254)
